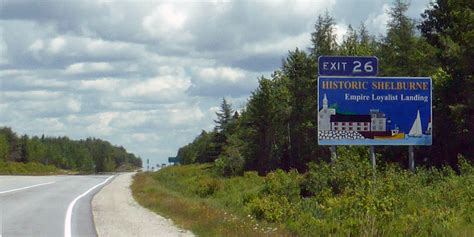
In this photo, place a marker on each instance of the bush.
(352, 168)
(272, 208)
(208, 186)
(275, 202)
(31, 168)
(230, 162)
(281, 183)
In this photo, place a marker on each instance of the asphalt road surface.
(48, 205)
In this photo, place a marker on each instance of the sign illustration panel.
(374, 111)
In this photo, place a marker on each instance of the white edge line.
(27, 187)
(67, 221)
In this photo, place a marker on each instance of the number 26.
(367, 66)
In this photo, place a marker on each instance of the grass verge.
(343, 198)
(197, 200)
(30, 168)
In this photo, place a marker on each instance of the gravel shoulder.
(117, 214)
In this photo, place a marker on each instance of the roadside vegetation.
(45, 155)
(31, 168)
(198, 200)
(261, 172)
(342, 198)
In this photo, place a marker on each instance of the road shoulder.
(116, 213)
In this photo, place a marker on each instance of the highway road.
(48, 205)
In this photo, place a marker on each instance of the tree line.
(90, 155)
(277, 128)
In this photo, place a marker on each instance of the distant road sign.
(374, 111)
(348, 66)
(173, 160)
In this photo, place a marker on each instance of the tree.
(224, 116)
(402, 52)
(301, 72)
(4, 147)
(358, 42)
(449, 27)
(323, 39)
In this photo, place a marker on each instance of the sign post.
(333, 153)
(411, 159)
(372, 157)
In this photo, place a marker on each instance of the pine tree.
(224, 116)
(324, 37)
(449, 27)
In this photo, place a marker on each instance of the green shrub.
(281, 183)
(208, 186)
(230, 162)
(31, 168)
(342, 175)
(272, 208)
(229, 165)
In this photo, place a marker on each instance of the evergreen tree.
(4, 147)
(301, 72)
(402, 52)
(324, 37)
(449, 27)
(224, 116)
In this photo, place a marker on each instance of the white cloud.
(378, 23)
(37, 45)
(74, 105)
(341, 30)
(79, 68)
(162, 87)
(182, 115)
(213, 75)
(36, 95)
(56, 45)
(101, 123)
(166, 22)
(280, 46)
(105, 84)
(3, 48)
(53, 124)
(145, 137)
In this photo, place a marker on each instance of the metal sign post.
(333, 153)
(372, 157)
(411, 158)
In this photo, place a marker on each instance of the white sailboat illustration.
(415, 130)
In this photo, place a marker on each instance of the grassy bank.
(342, 198)
(197, 200)
(30, 168)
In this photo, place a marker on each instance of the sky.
(150, 75)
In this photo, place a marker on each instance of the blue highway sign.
(374, 111)
(348, 66)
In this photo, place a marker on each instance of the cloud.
(56, 45)
(340, 30)
(166, 22)
(378, 22)
(105, 84)
(80, 68)
(215, 81)
(164, 88)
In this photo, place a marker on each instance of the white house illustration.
(329, 120)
